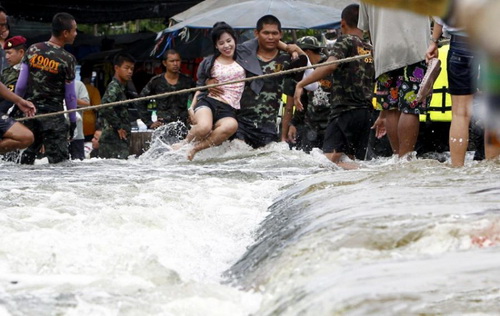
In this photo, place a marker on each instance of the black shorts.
(5, 124)
(348, 133)
(309, 138)
(219, 109)
(462, 67)
(254, 135)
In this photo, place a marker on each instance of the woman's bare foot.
(191, 153)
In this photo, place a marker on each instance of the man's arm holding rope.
(319, 73)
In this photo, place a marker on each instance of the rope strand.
(163, 95)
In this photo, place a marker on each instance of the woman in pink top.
(215, 115)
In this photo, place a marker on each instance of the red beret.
(14, 41)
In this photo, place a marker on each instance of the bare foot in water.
(191, 154)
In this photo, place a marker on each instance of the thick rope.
(163, 95)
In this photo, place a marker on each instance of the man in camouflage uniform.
(114, 142)
(14, 52)
(172, 108)
(13, 135)
(307, 127)
(353, 83)
(47, 78)
(257, 117)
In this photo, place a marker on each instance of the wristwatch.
(435, 40)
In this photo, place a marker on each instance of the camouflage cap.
(14, 42)
(309, 42)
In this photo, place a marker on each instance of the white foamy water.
(393, 239)
(241, 231)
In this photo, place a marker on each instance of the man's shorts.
(5, 124)
(219, 109)
(397, 89)
(348, 133)
(254, 135)
(309, 138)
(463, 70)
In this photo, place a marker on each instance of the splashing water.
(240, 231)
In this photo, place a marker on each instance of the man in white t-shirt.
(400, 40)
(77, 144)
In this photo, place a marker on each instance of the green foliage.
(152, 25)
(288, 35)
(157, 25)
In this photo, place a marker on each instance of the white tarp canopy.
(214, 4)
(293, 14)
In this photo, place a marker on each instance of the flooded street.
(248, 232)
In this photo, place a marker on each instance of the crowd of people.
(328, 107)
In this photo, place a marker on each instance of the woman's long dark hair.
(218, 29)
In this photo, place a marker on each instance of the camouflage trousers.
(111, 146)
(52, 134)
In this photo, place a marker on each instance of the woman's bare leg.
(224, 128)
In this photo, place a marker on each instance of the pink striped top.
(231, 92)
